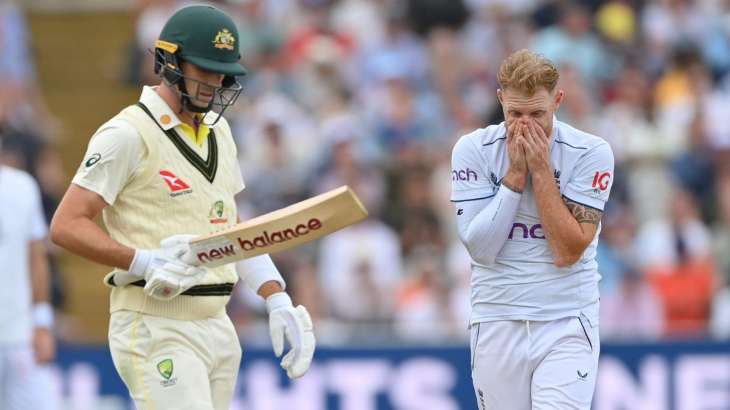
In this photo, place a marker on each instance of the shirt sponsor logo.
(261, 240)
(527, 231)
(601, 181)
(92, 160)
(177, 186)
(463, 175)
(216, 213)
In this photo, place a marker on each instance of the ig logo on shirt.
(601, 180)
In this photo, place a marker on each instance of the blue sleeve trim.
(490, 143)
(571, 146)
(473, 199)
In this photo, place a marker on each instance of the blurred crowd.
(374, 93)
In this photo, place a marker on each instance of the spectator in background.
(316, 30)
(580, 108)
(615, 250)
(150, 16)
(401, 115)
(670, 23)
(676, 256)
(571, 42)
(359, 268)
(422, 310)
(677, 95)
(397, 48)
(276, 136)
(641, 151)
(634, 311)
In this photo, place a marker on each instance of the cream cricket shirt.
(21, 221)
(158, 182)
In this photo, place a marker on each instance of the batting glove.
(166, 273)
(296, 325)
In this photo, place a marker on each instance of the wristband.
(43, 315)
(258, 270)
(140, 262)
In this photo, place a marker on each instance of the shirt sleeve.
(592, 178)
(113, 155)
(238, 183)
(469, 180)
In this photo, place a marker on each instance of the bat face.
(263, 241)
(279, 230)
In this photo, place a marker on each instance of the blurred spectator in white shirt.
(634, 312)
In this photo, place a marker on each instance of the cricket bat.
(279, 230)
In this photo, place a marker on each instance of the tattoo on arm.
(582, 213)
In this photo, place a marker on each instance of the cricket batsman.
(161, 172)
(529, 194)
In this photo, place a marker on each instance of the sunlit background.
(373, 94)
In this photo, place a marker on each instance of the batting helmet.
(208, 38)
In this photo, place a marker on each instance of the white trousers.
(528, 365)
(23, 384)
(176, 364)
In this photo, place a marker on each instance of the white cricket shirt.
(21, 221)
(523, 283)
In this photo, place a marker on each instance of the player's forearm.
(562, 231)
(485, 231)
(40, 277)
(269, 288)
(85, 238)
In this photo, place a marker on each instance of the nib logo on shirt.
(177, 186)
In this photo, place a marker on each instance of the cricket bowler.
(529, 194)
(161, 172)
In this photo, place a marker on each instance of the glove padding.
(175, 276)
(172, 279)
(166, 273)
(296, 324)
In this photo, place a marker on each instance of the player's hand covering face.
(515, 149)
(540, 107)
(537, 147)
